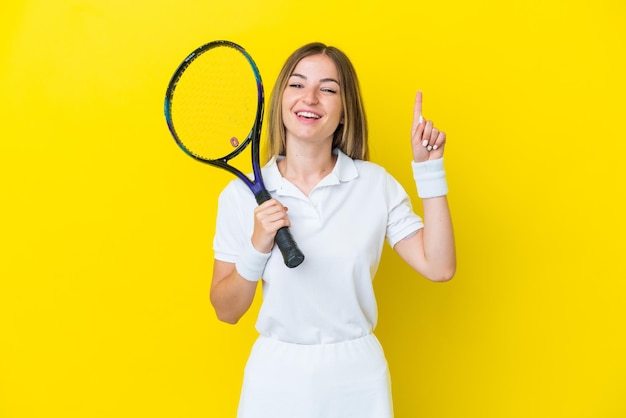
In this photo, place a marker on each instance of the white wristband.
(430, 178)
(251, 263)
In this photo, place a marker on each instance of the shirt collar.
(345, 170)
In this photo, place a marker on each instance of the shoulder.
(379, 180)
(236, 192)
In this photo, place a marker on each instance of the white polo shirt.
(340, 227)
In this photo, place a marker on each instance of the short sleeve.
(402, 220)
(234, 221)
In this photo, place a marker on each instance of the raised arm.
(431, 252)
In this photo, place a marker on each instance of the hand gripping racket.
(214, 110)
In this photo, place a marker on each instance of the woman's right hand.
(269, 217)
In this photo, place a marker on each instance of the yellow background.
(106, 226)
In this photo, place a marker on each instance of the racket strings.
(214, 104)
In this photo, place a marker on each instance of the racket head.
(214, 103)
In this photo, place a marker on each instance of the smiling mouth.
(308, 115)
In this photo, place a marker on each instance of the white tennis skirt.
(340, 380)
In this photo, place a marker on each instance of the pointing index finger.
(417, 110)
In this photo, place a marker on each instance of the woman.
(316, 355)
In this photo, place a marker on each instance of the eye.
(329, 90)
(295, 85)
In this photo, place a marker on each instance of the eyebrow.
(323, 80)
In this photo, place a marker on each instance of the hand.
(269, 217)
(427, 141)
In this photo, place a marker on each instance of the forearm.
(438, 239)
(431, 251)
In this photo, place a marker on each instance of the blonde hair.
(350, 136)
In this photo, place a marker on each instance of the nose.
(310, 96)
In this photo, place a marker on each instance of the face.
(311, 105)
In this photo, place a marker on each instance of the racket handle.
(292, 255)
(288, 247)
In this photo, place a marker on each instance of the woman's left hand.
(426, 140)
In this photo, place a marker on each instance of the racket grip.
(292, 255)
(288, 247)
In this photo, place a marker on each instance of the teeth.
(308, 115)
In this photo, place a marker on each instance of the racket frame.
(253, 137)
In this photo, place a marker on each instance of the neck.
(305, 167)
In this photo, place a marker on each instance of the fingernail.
(421, 119)
(425, 143)
(429, 148)
(435, 147)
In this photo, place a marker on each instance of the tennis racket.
(214, 110)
